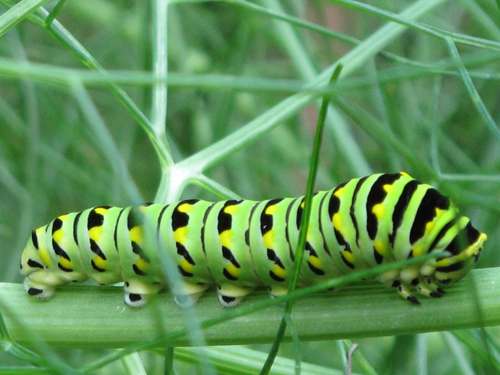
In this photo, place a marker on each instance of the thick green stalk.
(92, 317)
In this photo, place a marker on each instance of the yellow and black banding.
(267, 229)
(313, 260)
(375, 208)
(361, 223)
(464, 238)
(180, 228)
(58, 234)
(452, 247)
(426, 212)
(225, 230)
(400, 208)
(135, 223)
(31, 262)
(334, 214)
(95, 223)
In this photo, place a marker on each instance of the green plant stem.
(83, 316)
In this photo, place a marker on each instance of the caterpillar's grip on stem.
(238, 245)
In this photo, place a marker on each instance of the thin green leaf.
(55, 11)
(17, 13)
(474, 95)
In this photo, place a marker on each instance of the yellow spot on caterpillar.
(269, 239)
(278, 271)
(348, 256)
(186, 266)
(337, 222)
(185, 207)
(315, 262)
(95, 233)
(379, 247)
(63, 217)
(379, 210)
(388, 188)
(225, 238)
(141, 264)
(101, 210)
(231, 210)
(404, 174)
(58, 236)
(429, 226)
(66, 263)
(233, 270)
(417, 251)
(136, 234)
(339, 193)
(180, 234)
(446, 262)
(439, 212)
(40, 230)
(99, 262)
(271, 210)
(44, 256)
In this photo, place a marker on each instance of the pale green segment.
(363, 244)
(402, 245)
(274, 240)
(142, 267)
(331, 241)
(385, 222)
(315, 239)
(144, 233)
(104, 238)
(344, 224)
(236, 216)
(191, 238)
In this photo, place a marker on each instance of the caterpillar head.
(464, 251)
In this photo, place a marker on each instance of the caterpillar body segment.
(238, 245)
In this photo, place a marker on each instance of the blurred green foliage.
(403, 105)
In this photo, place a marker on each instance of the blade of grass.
(440, 33)
(53, 14)
(474, 95)
(108, 145)
(346, 145)
(72, 44)
(299, 253)
(352, 61)
(17, 13)
(236, 360)
(458, 354)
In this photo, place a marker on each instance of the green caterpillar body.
(239, 245)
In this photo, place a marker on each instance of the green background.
(421, 97)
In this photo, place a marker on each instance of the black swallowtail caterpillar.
(241, 244)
